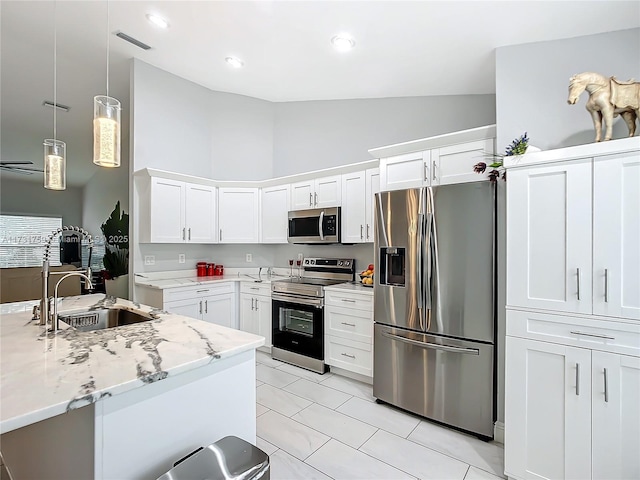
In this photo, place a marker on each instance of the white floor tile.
(258, 383)
(265, 359)
(282, 402)
(483, 455)
(265, 446)
(293, 437)
(260, 409)
(318, 393)
(341, 461)
(304, 373)
(413, 458)
(274, 377)
(352, 387)
(477, 474)
(341, 427)
(380, 416)
(286, 467)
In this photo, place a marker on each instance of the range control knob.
(313, 262)
(306, 262)
(339, 263)
(346, 263)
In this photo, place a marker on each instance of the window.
(22, 240)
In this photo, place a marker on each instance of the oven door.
(298, 324)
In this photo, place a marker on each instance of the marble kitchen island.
(122, 402)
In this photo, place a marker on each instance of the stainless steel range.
(298, 311)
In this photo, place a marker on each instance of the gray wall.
(31, 198)
(321, 134)
(532, 83)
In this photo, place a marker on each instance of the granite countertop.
(162, 280)
(351, 287)
(44, 374)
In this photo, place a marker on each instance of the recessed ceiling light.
(157, 21)
(235, 62)
(343, 42)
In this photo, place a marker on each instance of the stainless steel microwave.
(318, 225)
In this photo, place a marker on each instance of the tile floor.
(328, 426)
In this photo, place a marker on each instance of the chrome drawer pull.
(596, 335)
(254, 288)
(348, 324)
(348, 300)
(347, 355)
(606, 386)
(201, 291)
(578, 281)
(577, 379)
(206, 306)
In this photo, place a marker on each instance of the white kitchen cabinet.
(616, 235)
(255, 310)
(454, 163)
(318, 193)
(238, 215)
(220, 309)
(616, 416)
(549, 237)
(547, 410)
(274, 209)
(372, 186)
(177, 212)
(191, 307)
(358, 189)
(410, 170)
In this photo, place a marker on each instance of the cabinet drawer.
(353, 356)
(174, 294)
(254, 288)
(348, 300)
(349, 323)
(589, 333)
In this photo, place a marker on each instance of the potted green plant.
(115, 231)
(518, 147)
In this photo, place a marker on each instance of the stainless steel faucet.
(44, 315)
(54, 318)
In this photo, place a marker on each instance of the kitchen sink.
(103, 318)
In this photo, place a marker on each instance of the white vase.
(118, 287)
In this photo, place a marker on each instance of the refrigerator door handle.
(420, 291)
(433, 346)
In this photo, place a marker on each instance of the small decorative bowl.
(363, 277)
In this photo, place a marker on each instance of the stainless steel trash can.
(228, 458)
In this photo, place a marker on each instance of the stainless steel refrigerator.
(434, 333)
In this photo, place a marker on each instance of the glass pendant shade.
(106, 131)
(55, 164)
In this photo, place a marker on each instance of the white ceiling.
(402, 49)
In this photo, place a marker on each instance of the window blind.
(22, 240)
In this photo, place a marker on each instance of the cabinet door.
(200, 213)
(405, 171)
(547, 410)
(274, 208)
(220, 309)
(372, 186)
(454, 164)
(248, 318)
(353, 207)
(167, 211)
(328, 192)
(238, 215)
(263, 317)
(616, 416)
(616, 236)
(549, 237)
(191, 307)
(302, 197)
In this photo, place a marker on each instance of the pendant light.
(106, 123)
(55, 151)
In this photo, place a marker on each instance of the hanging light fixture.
(106, 123)
(55, 151)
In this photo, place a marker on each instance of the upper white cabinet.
(177, 212)
(409, 170)
(358, 189)
(318, 193)
(573, 239)
(238, 213)
(274, 207)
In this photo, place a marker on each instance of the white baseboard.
(498, 432)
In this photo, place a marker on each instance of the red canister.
(201, 268)
(219, 270)
(211, 269)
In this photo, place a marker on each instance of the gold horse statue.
(608, 97)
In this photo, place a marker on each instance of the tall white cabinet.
(572, 400)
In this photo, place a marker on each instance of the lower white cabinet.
(255, 310)
(570, 412)
(348, 324)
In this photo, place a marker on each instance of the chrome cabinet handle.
(189, 233)
(577, 379)
(578, 281)
(206, 306)
(310, 199)
(348, 300)
(200, 307)
(316, 198)
(183, 234)
(596, 335)
(252, 300)
(606, 288)
(347, 355)
(202, 291)
(426, 172)
(361, 232)
(256, 304)
(220, 234)
(606, 386)
(348, 324)
(254, 288)
(368, 236)
(433, 171)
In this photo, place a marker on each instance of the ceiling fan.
(19, 167)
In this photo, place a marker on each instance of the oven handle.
(320, 225)
(294, 299)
